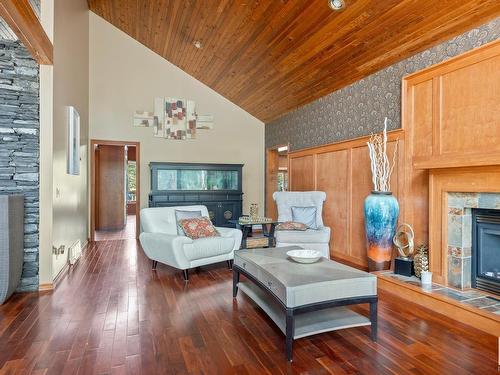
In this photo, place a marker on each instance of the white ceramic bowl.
(304, 256)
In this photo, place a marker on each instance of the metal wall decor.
(404, 241)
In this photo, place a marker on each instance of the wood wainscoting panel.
(302, 174)
(332, 178)
(342, 170)
(361, 186)
(418, 114)
(470, 109)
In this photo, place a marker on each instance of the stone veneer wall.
(359, 109)
(19, 144)
(460, 207)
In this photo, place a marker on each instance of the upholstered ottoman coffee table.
(305, 299)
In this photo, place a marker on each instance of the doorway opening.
(115, 192)
(276, 176)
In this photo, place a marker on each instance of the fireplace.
(486, 250)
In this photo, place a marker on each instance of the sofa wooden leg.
(230, 264)
(155, 263)
(185, 273)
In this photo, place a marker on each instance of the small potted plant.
(381, 207)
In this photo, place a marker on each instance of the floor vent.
(75, 251)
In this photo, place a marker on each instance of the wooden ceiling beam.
(21, 18)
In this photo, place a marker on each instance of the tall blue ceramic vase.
(381, 216)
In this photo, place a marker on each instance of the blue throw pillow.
(305, 215)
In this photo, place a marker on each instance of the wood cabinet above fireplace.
(452, 111)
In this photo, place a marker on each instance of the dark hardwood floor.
(113, 315)
(127, 233)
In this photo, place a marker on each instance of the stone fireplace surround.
(453, 193)
(460, 205)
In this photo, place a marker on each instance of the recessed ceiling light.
(336, 4)
(197, 44)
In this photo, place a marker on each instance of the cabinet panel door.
(212, 210)
(227, 211)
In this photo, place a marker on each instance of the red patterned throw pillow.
(291, 225)
(198, 227)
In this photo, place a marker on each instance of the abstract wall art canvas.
(144, 119)
(191, 119)
(159, 118)
(173, 118)
(180, 119)
(205, 122)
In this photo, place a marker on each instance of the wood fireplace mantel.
(441, 182)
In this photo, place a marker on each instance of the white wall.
(71, 87)
(126, 76)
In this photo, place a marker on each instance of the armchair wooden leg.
(185, 273)
(230, 264)
(155, 263)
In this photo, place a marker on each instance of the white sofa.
(318, 239)
(161, 243)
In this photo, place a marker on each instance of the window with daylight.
(131, 184)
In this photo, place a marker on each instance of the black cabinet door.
(213, 210)
(228, 211)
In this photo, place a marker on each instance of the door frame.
(272, 167)
(137, 145)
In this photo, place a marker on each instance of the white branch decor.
(380, 164)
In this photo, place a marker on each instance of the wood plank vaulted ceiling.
(272, 56)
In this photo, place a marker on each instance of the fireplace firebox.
(486, 250)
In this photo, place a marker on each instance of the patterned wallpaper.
(359, 109)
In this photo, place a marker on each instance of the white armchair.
(161, 243)
(315, 239)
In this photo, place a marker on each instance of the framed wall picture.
(73, 141)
